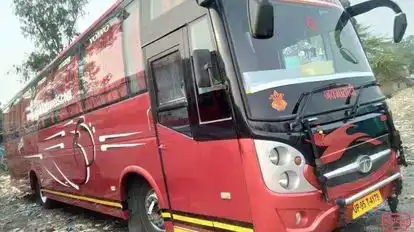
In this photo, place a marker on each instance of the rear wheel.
(144, 210)
(41, 198)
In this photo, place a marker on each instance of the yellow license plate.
(366, 203)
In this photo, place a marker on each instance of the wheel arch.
(133, 172)
(33, 179)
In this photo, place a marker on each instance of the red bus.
(212, 115)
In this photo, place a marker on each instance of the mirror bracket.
(203, 67)
(204, 3)
(400, 21)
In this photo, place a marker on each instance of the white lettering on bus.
(38, 108)
(99, 33)
(65, 62)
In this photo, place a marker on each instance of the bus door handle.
(162, 147)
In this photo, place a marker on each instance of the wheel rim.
(153, 211)
(42, 197)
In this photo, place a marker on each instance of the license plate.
(365, 204)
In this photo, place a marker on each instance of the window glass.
(160, 7)
(176, 119)
(170, 89)
(6, 121)
(17, 105)
(26, 99)
(102, 67)
(15, 115)
(66, 87)
(202, 38)
(42, 104)
(169, 79)
(134, 64)
(212, 102)
(305, 52)
(200, 35)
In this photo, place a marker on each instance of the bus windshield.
(302, 51)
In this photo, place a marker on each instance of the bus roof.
(64, 51)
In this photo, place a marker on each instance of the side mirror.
(261, 18)
(400, 20)
(203, 67)
(400, 26)
(204, 3)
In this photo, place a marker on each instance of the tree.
(51, 25)
(406, 49)
(388, 60)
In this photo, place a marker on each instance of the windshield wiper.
(356, 105)
(307, 96)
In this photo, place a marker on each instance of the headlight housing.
(282, 167)
(284, 180)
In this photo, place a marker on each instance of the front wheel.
(144, 210)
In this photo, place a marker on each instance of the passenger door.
(200, 155)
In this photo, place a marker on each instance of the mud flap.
(393, 199)
(397, 144)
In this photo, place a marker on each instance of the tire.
(44, 201)
(140, 197)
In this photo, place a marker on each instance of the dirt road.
(19, 212)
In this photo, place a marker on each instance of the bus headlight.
(289, 180)
(274, 156)
(282, 167)
(284, 180)
(279, 156)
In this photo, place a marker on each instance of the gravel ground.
(19, 212)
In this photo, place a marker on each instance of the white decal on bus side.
(55, 178)
(64, 177)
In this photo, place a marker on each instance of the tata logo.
(364, 164)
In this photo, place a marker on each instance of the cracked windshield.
(206, 115)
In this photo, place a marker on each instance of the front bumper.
(328, 220)
(276, 212)
(349, 200)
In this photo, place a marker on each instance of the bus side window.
(212, 102)
(160, 7)
(101, 68)
(134, 64)
(170, 89)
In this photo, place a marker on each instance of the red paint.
(196, 172)
(309, 173)
(210, 168)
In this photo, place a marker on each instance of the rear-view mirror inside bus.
(203, 67)
(204, 3)
(261, 18)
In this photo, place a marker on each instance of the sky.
(14, 47)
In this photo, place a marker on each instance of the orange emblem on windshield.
(278, 103)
